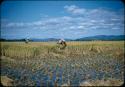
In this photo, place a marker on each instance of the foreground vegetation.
(44, 64)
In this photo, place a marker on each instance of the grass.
(44, 64)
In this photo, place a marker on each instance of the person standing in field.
(62, 42)
(26, 41)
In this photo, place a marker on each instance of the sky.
(61, 19)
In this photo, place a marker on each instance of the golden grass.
(101, 56)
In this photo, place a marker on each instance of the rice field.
(98, 63)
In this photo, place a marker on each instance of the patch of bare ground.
(109, 82)
(6, 81)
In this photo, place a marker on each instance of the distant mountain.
(48, 39)
(103, 37)
(44, 40)
(98, 37)
(10, 40)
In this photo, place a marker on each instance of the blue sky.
(61, 19)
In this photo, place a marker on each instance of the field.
(44, 64)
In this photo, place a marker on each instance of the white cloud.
(66, 18)
(115, 28)
(37, 23)
(92, 19)
(75, 10)
(72, 27)
(15, 24)
(10, 24)
(81, 27)
(115, 19)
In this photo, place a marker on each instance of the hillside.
(98, 37)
